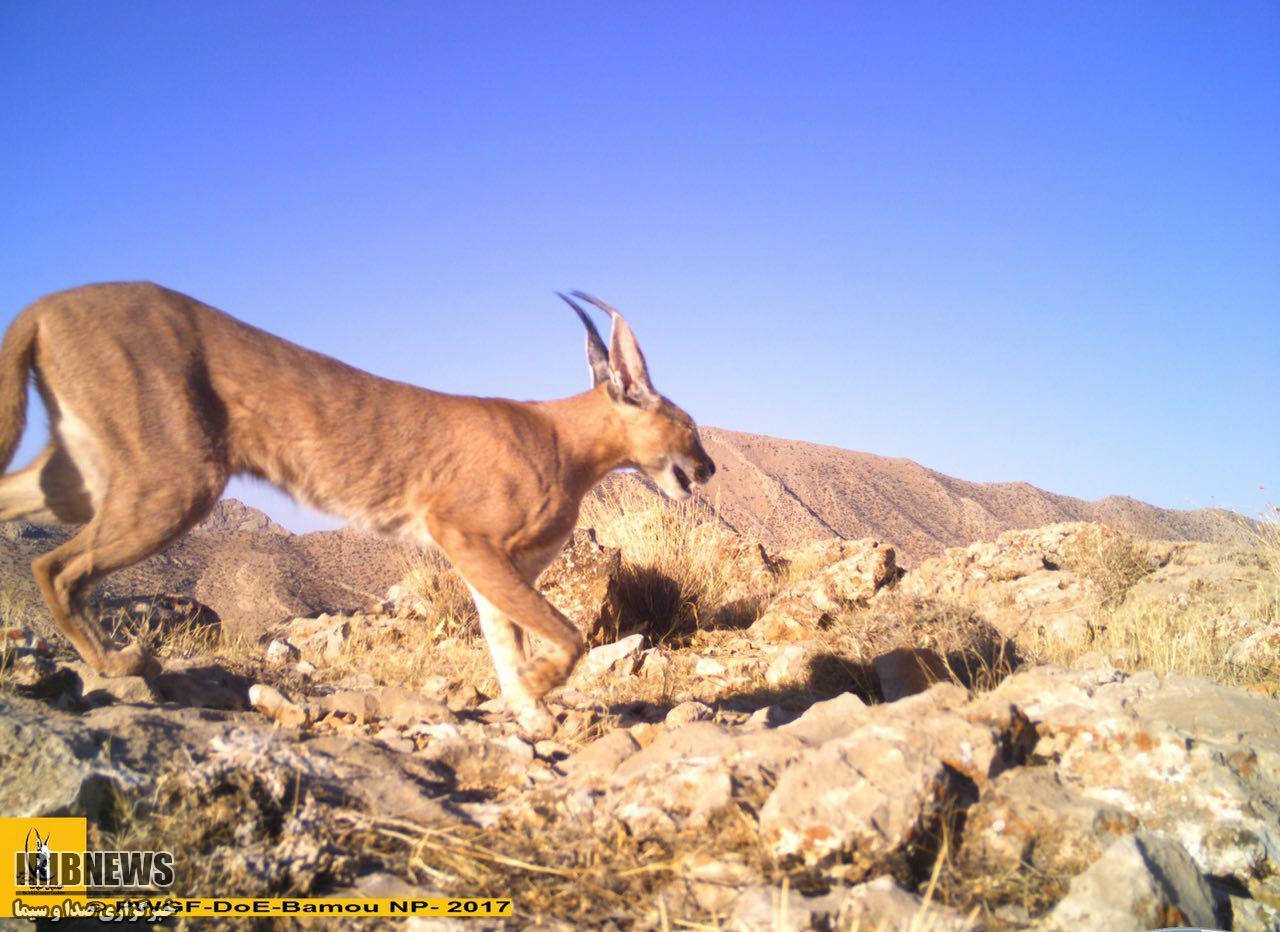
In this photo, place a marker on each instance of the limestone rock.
(906, 671)
(1027, 816)
(618, 657)
(863, 569)
(1142, 881)
(583, 583)
(97, 689)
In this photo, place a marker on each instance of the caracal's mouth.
(682, 478)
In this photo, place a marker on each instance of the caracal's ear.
(628, 372)
(597, 355)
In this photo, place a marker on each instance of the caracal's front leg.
(506, 646)
(504, 598)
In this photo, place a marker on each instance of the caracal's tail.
(15, 366)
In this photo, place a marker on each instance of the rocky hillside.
(249, 570)
(788, 491)
(1062, 728)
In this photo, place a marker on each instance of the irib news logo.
(50, 861)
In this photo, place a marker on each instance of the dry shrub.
(1188, 638)
(412, 655)
(1112, 560)
(1264, 535)
(439, 595)
(675, 578)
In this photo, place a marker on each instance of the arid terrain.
(859, 695)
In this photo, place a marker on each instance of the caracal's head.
(662, 439)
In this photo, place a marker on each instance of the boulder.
(583, 583)
(1027, 817)
(1143, 881)
(864, 568)
(906, 671)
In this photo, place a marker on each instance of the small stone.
(654, 662)
(708, 666)
(281, 652)
(599, 759)
(789, 665)
(690, 711)
(271, 703)
(620, 656)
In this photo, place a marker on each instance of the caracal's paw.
(541, 675)
(134, 660)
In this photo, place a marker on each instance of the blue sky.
(1016, 241)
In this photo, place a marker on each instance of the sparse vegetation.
(676, 576)
(1113, 561)
(1191, 635)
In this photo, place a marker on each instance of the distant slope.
(788, 491)
(240, 563)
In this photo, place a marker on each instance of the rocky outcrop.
(830, 578)
(583, 583)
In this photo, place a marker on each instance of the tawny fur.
(155, 400)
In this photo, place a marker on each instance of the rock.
(336, 639)
(654, 662)
(831, 718)
(1027, 817)
(97, 689)
(906, 671)
(854, 580)
(789, 618)
(193, 682)
(56, 765)
(808, 604)
(708, 667)
(1252, 916)
(862, 797)
(874, 779)
(1187, 758)
(882, 904)
(600, 759)
(619, 657)
(1260, 649)
(1142, 881)
(583, 583)
(269, 701)
(319, 640)
(790, 665)
(483, 764)
(282, 652)
(403, 707)
(689, 711)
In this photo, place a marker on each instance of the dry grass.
(675, 580)
(1264, 534)
(438, 593)
(1113, 561)
(1191, 637)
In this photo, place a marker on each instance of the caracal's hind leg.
(50, 489)
(132, 524)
